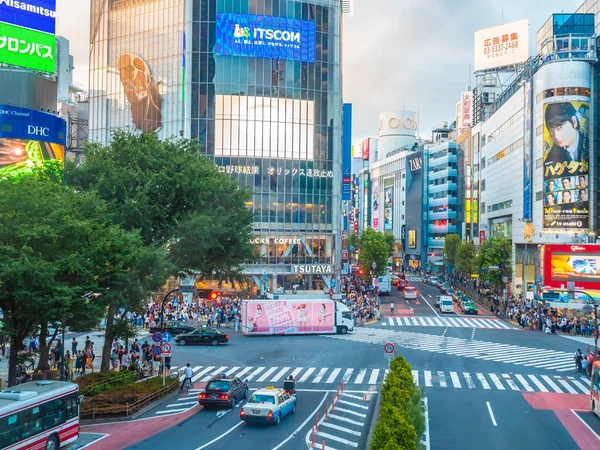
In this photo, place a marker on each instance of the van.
(446, 304)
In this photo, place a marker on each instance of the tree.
(391, 240)
(177, 199)
(451, 244)
(51, 258)
(465, 257)
(494, 252)
(374, 248)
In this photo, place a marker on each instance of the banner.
(37, 15)
(27, 48)
(566, 165)
(527, 150)
(375, 204)
(347, 152)
(412, 238)
(388, 201)
(502, 45)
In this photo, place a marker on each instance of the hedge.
(401, 420)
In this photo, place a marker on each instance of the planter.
(37, 376)
(51, 375)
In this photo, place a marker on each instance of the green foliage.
(391, 240)
(465, 257)
(353, 240)
(374, 247)
(393, 425)
(495, 251)
(451, 244)
(414, 411)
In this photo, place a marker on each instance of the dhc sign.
(265, 37)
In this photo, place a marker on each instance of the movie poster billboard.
(566, 165)
(412, 238)
(578, 263)
(527, 149)
(375, 204)
(388, 201)
(288, 317)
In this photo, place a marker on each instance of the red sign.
(577, 263)
(481, 237)
(365, 149)
(344, 255)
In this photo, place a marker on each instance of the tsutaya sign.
(323, 269)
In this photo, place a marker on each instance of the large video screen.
(29, 139)
(265, 37)
(572, 263)
(566, 165)
(264, 127)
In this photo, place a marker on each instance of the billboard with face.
(566, 165)
(29, 139)
(388, 202)
(286, 317)
(375, 205)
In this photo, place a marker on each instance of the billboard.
(578, 263)
(26, 48)
(566, 165)
(265, 37)
(34, 14)
(527, 149)
(466, 110)
(503, 45)
(375, 204)
(388, 202)
(365, 149)
(347, 152)
(288, 317)
(29, 139)
(264, 127)
(412, 238)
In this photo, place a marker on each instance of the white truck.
(294, 314)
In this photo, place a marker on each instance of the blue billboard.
(34, 14)
(346, 151)
(29, 139)
(265, 37)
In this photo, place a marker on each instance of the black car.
(174, 328)
(203, 336)
(223, 392)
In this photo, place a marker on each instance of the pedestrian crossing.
(468, 348)
(502, 382)
(273, 375)
(453, 322)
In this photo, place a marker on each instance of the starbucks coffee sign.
(319, 269)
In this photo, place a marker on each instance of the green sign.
(27, 48)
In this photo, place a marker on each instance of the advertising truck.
(293, 315)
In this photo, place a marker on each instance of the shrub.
(393, 425)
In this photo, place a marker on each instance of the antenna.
(503, 15)
(470, 73)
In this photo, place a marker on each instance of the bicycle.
(187, 385)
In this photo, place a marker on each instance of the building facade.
(258, 84)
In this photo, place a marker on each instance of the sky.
(397, 54)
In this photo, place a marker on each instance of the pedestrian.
(578, 360)
(74, 347)
(113, 360)
(88, 342)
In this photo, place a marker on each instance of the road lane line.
(357, 397)
(497, 381)
(354, 413)
(374, 375)
(469, 380)
(344, 419)
(551, 383)
(171, 411)
(510, 382)
(415, 375)
(339, 428)
(356, 405)
(302, 425)
(306, 375)
(566, 385)
(333, 375)
(243, 372)
(214, 373)
(337, 439)
(208, 444)
(491, 414)
(427, 374)
(538, 383)
(202, 372)
(280, 374)
(586, 425)
(524, 382)
(266, 375)
(428, 304)
(442, 378)
(580, 385)
(320, 375)
(406, 322)
(347, 375)
(256, 372)
(360, 377)
(455, 380)
(230, 371)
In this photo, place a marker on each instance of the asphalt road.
(488, 385)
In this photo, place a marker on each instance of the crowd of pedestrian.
(361, 302)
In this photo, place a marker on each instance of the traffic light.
(213, 295)
(361, 272)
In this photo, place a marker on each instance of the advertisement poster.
(388, 201)
(566, 165)
(288, 317)
(412, 238)
(579, 263)
(375, 204)
(365, 149)
(37, 15)
(265, 37)
(502, 45)
(27, 48)
(527, 150)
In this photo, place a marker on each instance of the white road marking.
(345, 419)
(469, 380)
(348, 411)
(496, 381)
(208, 444)
(442, 378)
(455, 380)
(352, 404)
(337, 439)
(266, 375)
(587, 426)
(567, 387)
(212, 374)
(233, 369)
(202, 372)
(374, 375)
(243, 372)
(339, 428)
(551, 383)
(333, 375)
(427, 374)
(296, 371)
(280, 374)
(320, 375)
(491, 414)
(538, 383)
(357, 397)
(347, 375)
(510, 382)
(361, 376)
(256, 372)
(415, 375)
(170, 411)
(524, 382)
(307, 374)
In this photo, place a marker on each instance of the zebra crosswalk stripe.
(551, 383)
(538, 384)
(483, 381)
(455, 380)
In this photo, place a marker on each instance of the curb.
(371, 322)
(373, 420)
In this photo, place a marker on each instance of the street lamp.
(162, 308)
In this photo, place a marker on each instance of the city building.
(259, 85)
(441, 193)
(537, 175)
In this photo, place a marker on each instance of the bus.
(595, 388)
(39, 414)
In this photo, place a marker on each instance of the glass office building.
(257, 82)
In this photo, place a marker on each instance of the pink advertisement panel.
(288, 317)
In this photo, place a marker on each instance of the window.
(403, 175)
(482, 185)
(539, 196)
(483, 206)
(483, 162)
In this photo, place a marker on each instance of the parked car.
(223, 392)
(203, 336)
(175, 328)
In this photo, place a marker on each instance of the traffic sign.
(156, 350)
(157, 337)
(166, 336)
(332, 284)
(166, 348)
(344, 254)
(388, 347)
(376, 290)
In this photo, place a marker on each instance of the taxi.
(268, 405)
